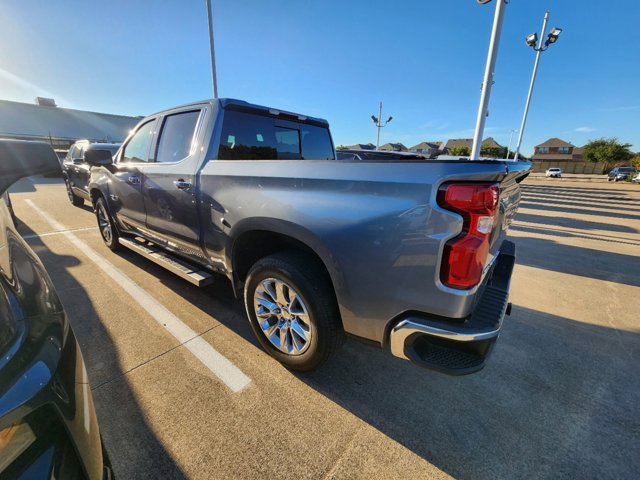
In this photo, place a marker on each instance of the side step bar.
(165, 259)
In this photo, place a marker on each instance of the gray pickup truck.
(410, 256)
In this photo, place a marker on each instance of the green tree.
(342, 147)
(635, 161)
(493, 152)
(606, 150)
(460, 151)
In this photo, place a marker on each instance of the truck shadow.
(131, 443)
(553, 401)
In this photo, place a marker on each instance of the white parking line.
(38, 235)
(219, 365)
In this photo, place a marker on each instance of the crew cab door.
(81, 174)
(169, 187)
(125, 189)
(72, 165)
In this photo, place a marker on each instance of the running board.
(190, 273)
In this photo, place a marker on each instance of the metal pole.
(379, 125)
(488, 78)
(213, 51)
(533, 81)
(510, 140)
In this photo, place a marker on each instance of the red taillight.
(465, 255)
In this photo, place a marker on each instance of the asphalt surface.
(558, 399)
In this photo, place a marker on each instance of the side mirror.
(98, 158)
(78, 161)
(22, 158)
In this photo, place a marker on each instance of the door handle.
(182, 185)
(134, 180)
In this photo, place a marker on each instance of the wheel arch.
(256, 239)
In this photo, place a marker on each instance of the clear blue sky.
(335, 59)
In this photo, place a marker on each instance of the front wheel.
(292, 310)
(108, 230)
(73, 198)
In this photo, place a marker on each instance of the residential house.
(393, 147)
(362, 146)
(488, 142)
(557, 153)
(554, 150)
(428, 149)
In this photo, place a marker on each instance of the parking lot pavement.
(558, 398)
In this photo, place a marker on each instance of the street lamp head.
(553, 36)
(390, 118)
(375, 119)
(482, 2)
(532, 40)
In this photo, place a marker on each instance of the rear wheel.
(107, 227)
(292, 310)
(73, 198)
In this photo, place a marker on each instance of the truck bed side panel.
(376, 227)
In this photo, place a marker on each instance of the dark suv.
(620, 173)
(76, 171)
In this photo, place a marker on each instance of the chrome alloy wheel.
(282, 316)
(103, 223)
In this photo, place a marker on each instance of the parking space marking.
(219, 365)
(39, 235)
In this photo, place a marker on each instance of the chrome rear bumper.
(459, 347)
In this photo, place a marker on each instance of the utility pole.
(377, 121)
(213, 51)
(510, 140)
(531, 41)
(488, 77)
(379, 126)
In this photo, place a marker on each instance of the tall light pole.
(488, 76)
(510, 140)
(377, 121)
(213, 51)
(531, 41)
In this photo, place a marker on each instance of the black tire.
(73, 198)
(303, 274)
(106, 225)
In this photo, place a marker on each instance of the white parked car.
(553, 172)
(636, 179)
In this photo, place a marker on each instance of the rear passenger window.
(176, 136)
(137, 149)
(316, 143)
(247, 136)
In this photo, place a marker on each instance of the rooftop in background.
(362, 146)
(393, 147)
(44, 121)
(488, 142)
(555, 142)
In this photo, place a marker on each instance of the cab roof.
(241, 105)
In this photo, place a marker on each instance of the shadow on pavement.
(553, 402)
(581, 211)
(568, 190)
(547, 230)
(585, 262)
(126, 433)
(531, 201)
(560, 221)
